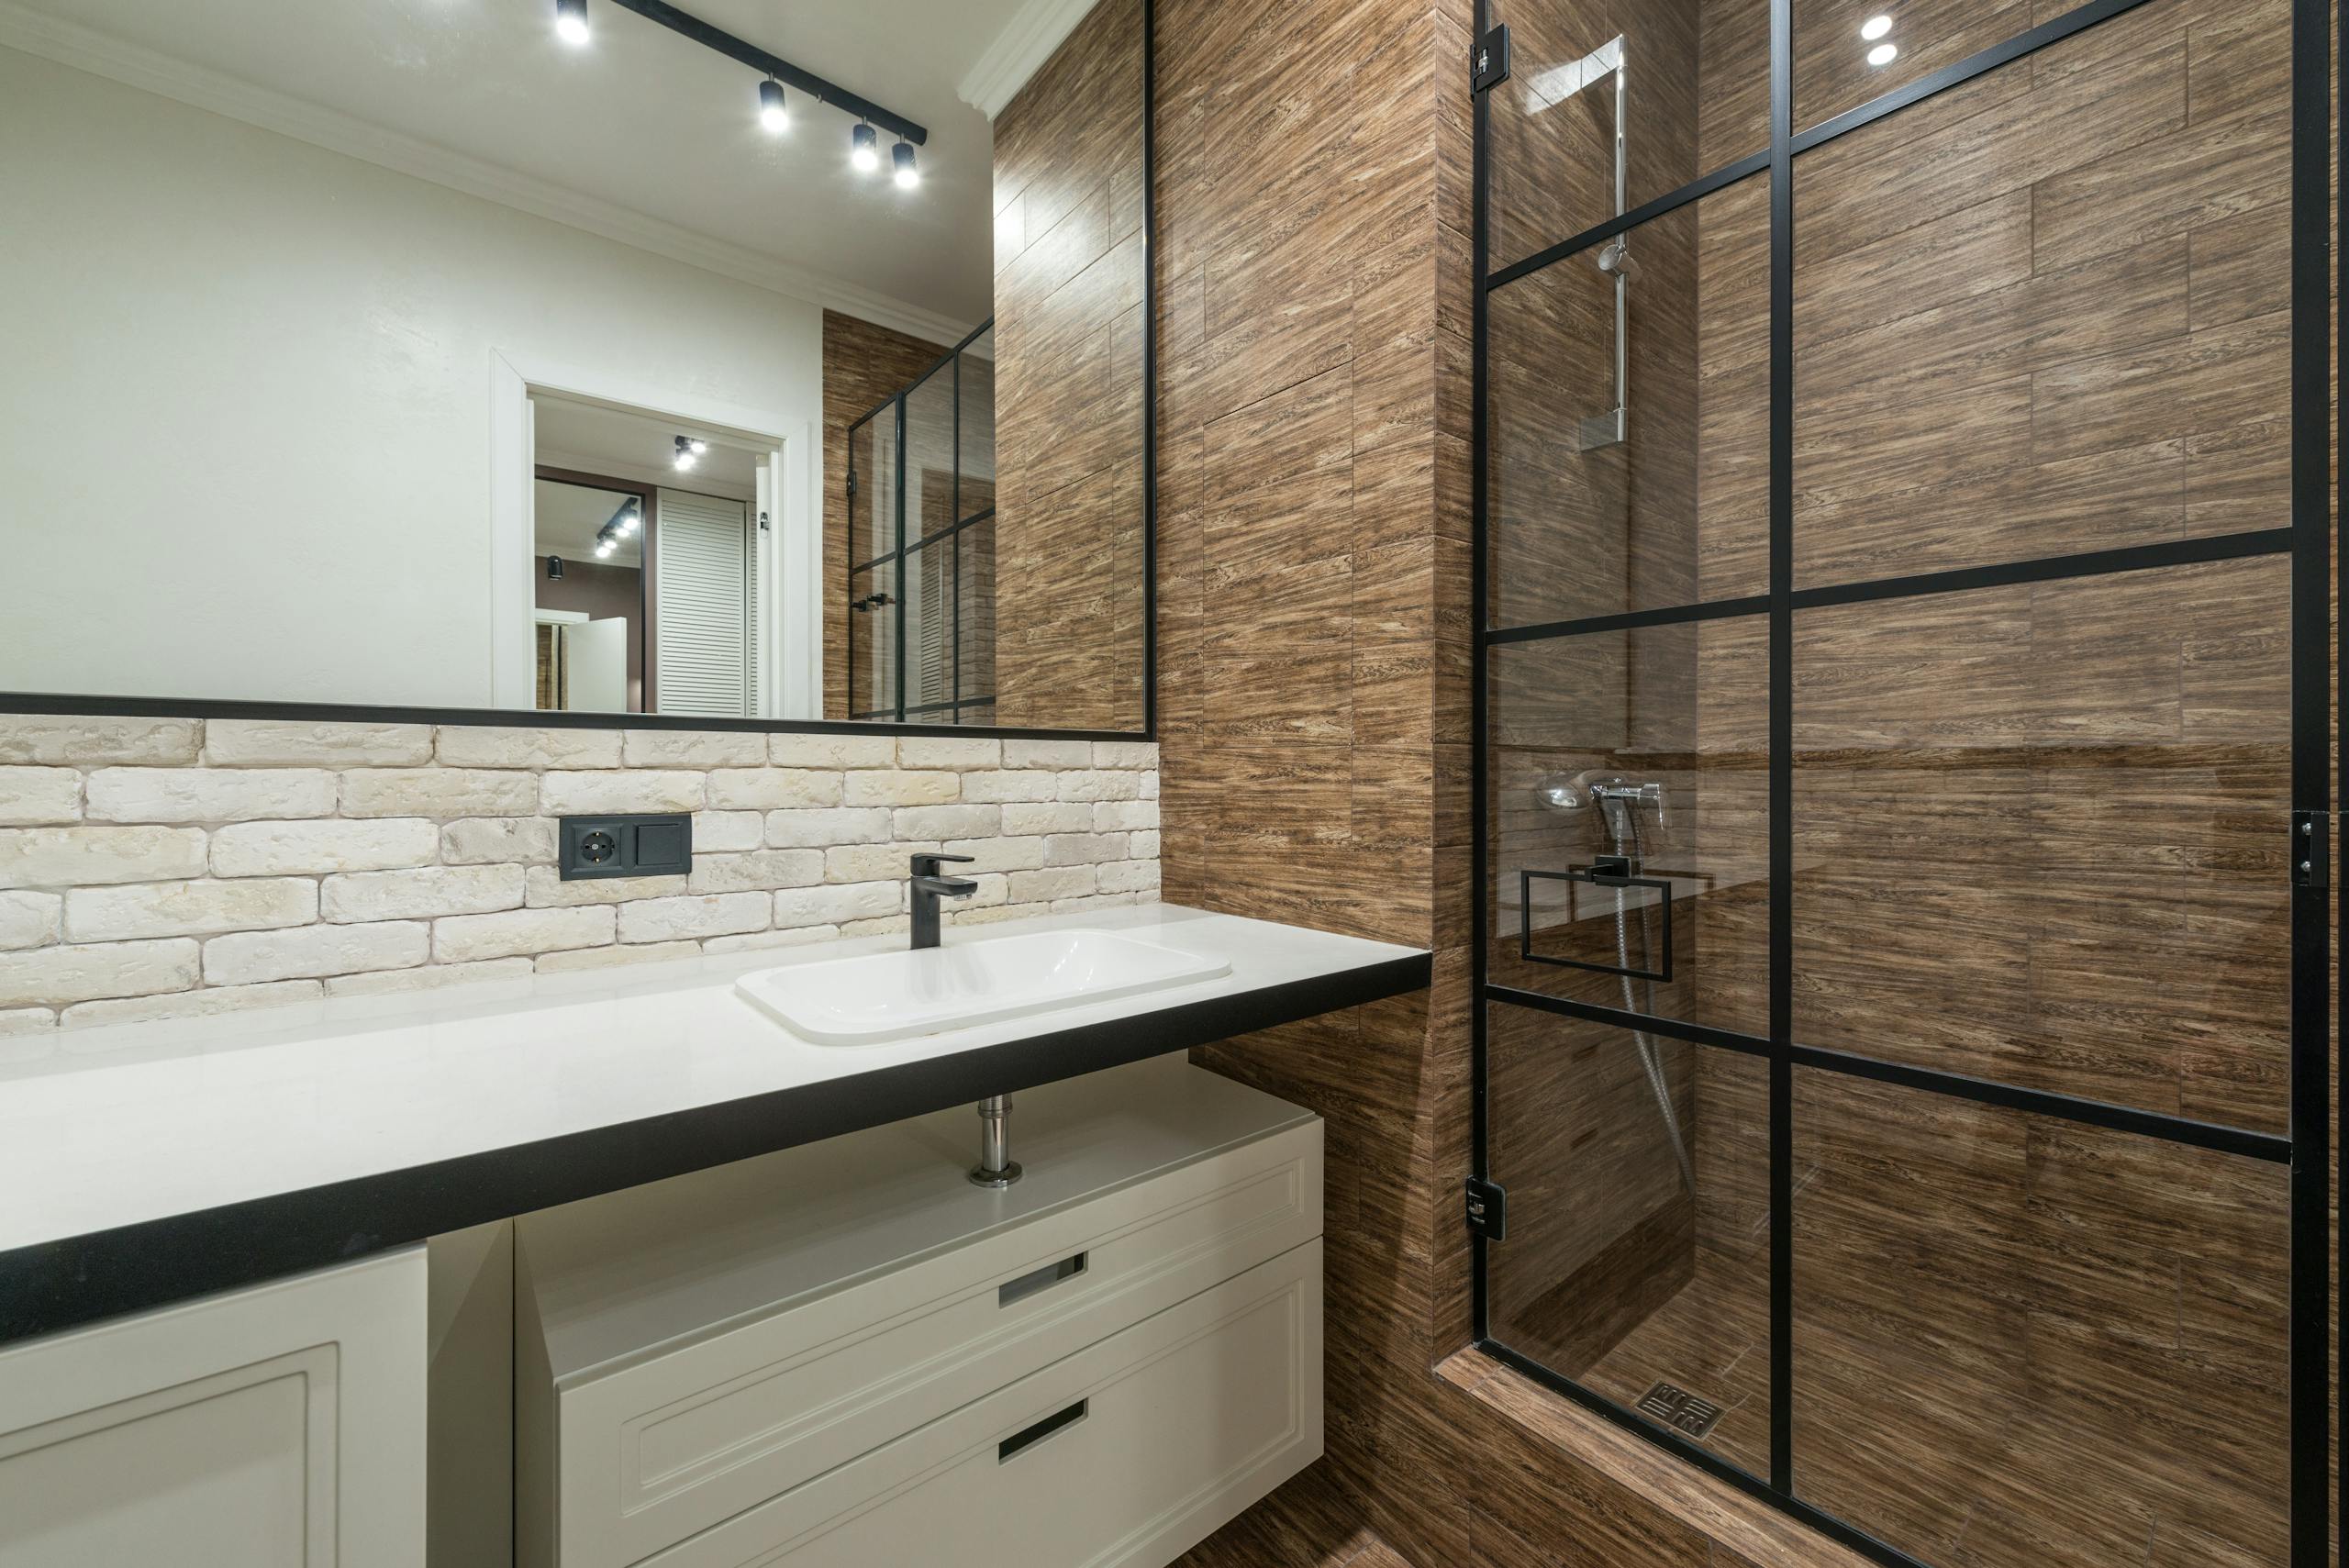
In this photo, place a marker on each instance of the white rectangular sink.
(895, 996)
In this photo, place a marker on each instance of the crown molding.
(1027, 41)
(134, 65)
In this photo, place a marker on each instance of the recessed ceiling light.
(1875, 28)
(1882, 54)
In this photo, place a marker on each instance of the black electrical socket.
(660, 845)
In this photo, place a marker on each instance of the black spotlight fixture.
(571, 21)
(906, 176)
(773, 116)
(864, 148)
(554, 568)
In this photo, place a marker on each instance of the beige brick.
(1121, 815)
(545, 889)
(512, 974)
(770, 789)
(948, 752)
(1052, 754)
(29, 919)
(872, 863)
(1048, 817)
(97, 742)
(1143, 847)
(823, 828)
(1124, 754)
(438, 792)
(78, 857)
(1017, 853)
(585, 794)
(901, 788)
(729, 832)
(1093, 784)
(1053, 882)
(17, 1023)
(1009, 786)
(836, 906)
(464, 939)
(135, 910)
(313, 952)
(315, 848)
(1086, 903)
(34, 797)
(694, 749)
(421, 893)
(756, 941)
(526, 746)
(760, 871)
(613, 957)
(708, 915)
(60, 976)
(997, 914)
(207, 795)
(277, 743)
(1149, 785)
(210, 1002)
(488, 841)
(833, 751)
(1083, 849)
(948, 821)
(888, 926)
(1128, 876)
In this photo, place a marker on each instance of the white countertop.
(113, 1127)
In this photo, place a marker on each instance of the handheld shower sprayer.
(1619, 799)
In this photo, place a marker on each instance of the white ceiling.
(640, 117)
(568, 517)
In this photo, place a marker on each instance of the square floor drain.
(1684, 1412)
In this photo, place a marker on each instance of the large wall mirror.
(585, 357)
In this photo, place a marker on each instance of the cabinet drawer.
(1129, 1452)
(651, 1451)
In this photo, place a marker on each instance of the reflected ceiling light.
(1882, 54)
(1875, 28)
(864, 148)
(603, 548)
(685, 452)
(571, 21)
(772, 116)
(907, 176)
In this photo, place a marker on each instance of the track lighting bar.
(782, 69)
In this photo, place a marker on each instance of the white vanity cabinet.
(277, 1426)
(846, 1354)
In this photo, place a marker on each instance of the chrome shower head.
(1570, 792)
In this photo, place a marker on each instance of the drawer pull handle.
(1027, 1437)
(1034, 1280)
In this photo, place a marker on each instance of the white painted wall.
(245, 388)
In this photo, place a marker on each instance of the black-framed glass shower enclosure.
(1904, 768)
(920, 546)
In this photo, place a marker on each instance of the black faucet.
(928, 887)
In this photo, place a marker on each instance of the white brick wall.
(173, 868)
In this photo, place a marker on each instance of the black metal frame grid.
(2307, 544)
(898, 557)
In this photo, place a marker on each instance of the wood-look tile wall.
(2029, 821)
(863, 364)
(1071, 252)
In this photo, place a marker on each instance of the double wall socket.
(659, 845)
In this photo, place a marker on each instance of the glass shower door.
(1904, 811)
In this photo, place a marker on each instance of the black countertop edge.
(62, 1284)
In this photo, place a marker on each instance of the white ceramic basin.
(894, 996)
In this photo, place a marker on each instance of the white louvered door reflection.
(705, 591)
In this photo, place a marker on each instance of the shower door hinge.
(2311, 849)
(1488, 1209)
(1488, 61)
